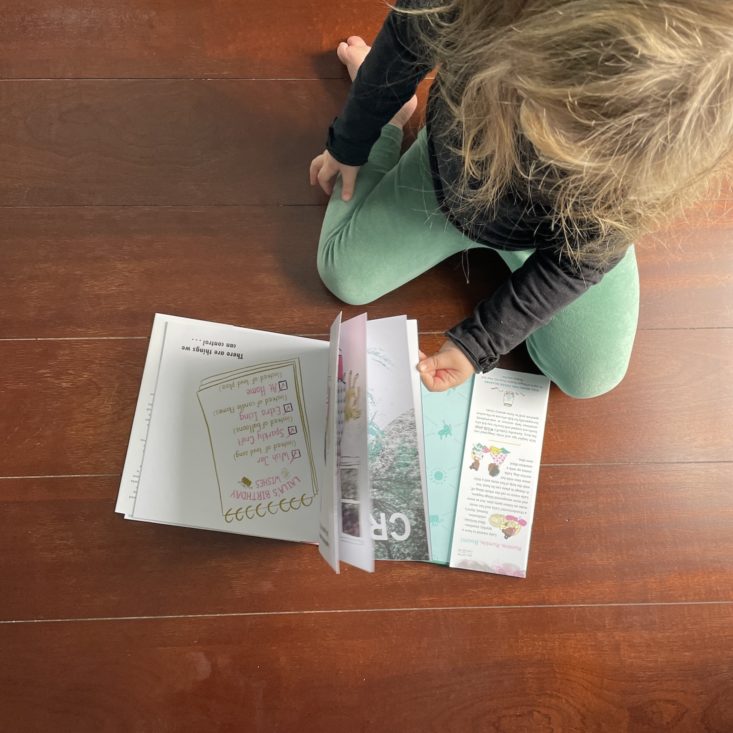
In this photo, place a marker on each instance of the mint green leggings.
(392, 231)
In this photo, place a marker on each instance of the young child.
(558, 132)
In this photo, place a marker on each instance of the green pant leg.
(585, 349)
(392, 229)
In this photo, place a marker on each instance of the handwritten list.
(259, 439)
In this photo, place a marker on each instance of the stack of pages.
(334, 443)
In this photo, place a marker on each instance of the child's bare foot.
(352, 53)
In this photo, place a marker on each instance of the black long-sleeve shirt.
(548, 280)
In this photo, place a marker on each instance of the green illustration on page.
(445, 417)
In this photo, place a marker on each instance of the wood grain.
(573, 670)
(180, 38)
(686, 276)
(255, 266)
(154, 158)
(252, 265)
(67, 405)
(164, 142)
(624, 534)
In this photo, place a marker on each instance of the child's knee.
(343, 281)
(581, 374)
(589, 383)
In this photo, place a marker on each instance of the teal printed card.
(445, 417)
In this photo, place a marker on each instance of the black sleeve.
(385, 81)
(534, 293)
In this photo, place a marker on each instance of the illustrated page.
(500, 470)
(399, 525)
(445, 417)
(328, 544)
(260, 440)
(355, 507)
(235, 440)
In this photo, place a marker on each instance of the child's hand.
(448, 368)
(325, 168)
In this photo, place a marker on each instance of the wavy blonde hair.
(617, 114)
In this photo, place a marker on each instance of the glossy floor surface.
(153, 157)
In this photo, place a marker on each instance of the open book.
(483, 445)
(316, 441)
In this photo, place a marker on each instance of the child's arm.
(387, 79)
(545, 284)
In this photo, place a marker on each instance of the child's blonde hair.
(614, 113)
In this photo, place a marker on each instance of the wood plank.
(163, 142)
(603, 534)
(68, 405)
(573, 669)
(686, 277)
(127, 262)
(180, 38)
(252, 265)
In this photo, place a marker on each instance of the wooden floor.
(153, 157)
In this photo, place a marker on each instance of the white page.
(141, 421)
(500, 471)
(399, 526)
(260, 440)
(178, 481)
(413, 350)
(328, 543)
(355, 507)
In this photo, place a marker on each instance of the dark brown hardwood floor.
(153, 157)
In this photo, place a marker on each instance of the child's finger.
(429, 364)
(324, 179)
(428, 380)
(316, 165)
(348, 179)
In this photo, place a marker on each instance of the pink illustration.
(509, 525)
(498, 456)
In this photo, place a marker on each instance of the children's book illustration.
(228, 429)
(257, 426)
(399, 524)
(500, 472)
(508, 524)
(445, 416)
(354, 497)
(496, 457)
(334, 443)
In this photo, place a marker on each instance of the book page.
(355, 507)
(328, 544)
(399, 526)
(413, 353)
(500, 470)
(141, 421)
(260, 440)
(236, 435)
(445, 417)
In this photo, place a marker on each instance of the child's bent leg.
(585, 349)
(391, 231)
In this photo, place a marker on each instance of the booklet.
(284, 437)
(336, 443)
(483, 443)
